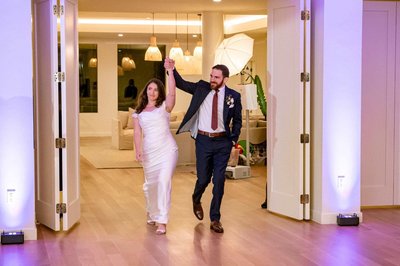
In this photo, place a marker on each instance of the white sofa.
(122, 135)
(257, 131)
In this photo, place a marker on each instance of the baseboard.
(30, 233)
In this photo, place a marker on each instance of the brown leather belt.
(211, 135)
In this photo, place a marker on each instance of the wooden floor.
(113, 231)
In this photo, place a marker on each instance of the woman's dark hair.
(224, 70)
(144, 100)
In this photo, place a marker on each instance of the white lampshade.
(187, 56)
(153, 53)
(176, 51)
(249, 96)
(92, 62)
(198, 50)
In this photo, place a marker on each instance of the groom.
(214, 119)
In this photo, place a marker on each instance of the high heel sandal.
(161, 229)
(150, 221)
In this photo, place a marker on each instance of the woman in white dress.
(156, 148)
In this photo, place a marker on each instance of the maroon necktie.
(214, 116)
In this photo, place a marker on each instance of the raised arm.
(171, 96)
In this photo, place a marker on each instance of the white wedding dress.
(160, 155)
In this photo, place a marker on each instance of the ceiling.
(179, 6)
(164, 10)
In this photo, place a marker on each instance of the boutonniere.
(230, 101)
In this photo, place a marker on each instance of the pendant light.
(187, 56)
(153, 53)
(92, 62)
(198, 50)
(127, 63)
(176, 52)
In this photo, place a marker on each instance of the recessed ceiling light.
(217, 1)
(120, 35)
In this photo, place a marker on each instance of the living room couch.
(257, 131)
(122, 135)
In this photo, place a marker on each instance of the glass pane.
(133, 75)
(88, 78)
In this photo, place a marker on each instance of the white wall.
(16, 116)
(99, 124)
(336, 112)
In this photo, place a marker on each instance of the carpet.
(98, 151)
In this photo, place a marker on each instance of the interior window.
(134, 73)
(88, 78)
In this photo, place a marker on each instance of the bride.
(156, 147)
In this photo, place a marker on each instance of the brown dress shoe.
(216, 226)
(198, 211)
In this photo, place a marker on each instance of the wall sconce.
(153, 53)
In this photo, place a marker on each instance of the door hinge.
(58, 10)
(305, 198)
(305, 15)
(59, 76)
(305, 77)
(61, 208)
(60, 143)
(304, 138)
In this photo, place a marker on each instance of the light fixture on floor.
(153, 53)
(15, 237)
(347, 219)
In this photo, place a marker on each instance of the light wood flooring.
(113, 231)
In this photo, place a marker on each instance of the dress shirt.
(205, 112)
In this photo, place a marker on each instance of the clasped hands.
(169, 64)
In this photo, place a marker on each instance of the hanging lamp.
(187, 56)
(153, 53)
(92, 62)
(127, 63)
(198, 50)
(176, 52)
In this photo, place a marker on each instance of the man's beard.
(215, 85)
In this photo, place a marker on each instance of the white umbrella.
(234, 52)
